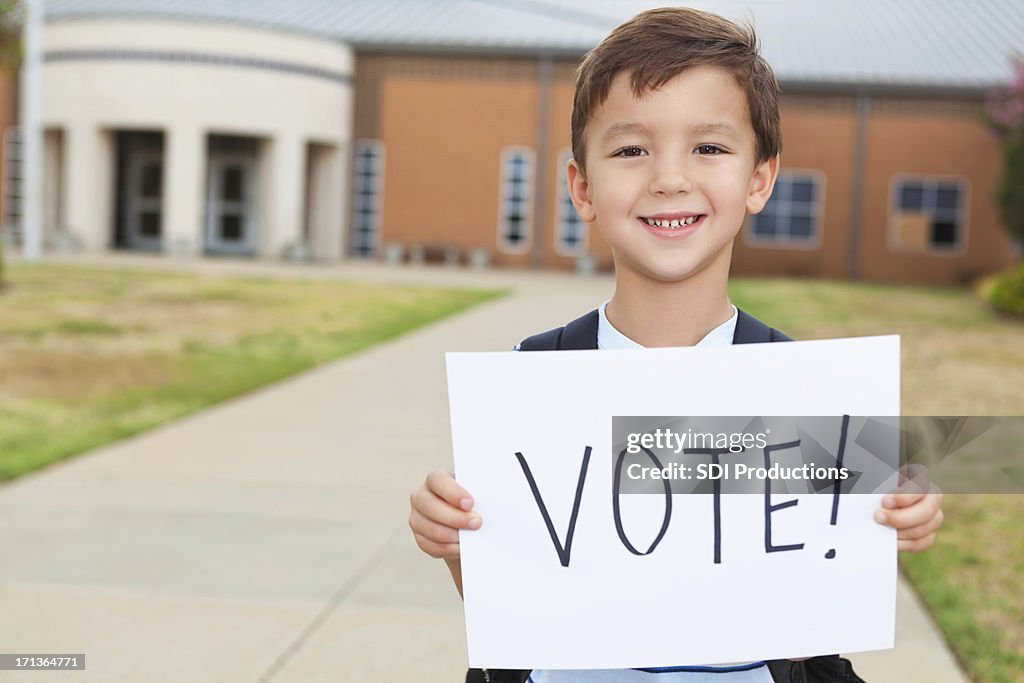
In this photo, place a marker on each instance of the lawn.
(959, 358)
(89, 355)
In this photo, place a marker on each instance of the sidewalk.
(265, 539)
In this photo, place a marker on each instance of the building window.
(515, 220)
(367, 187)
(571, 232)
(12, 180)
(928, 213)
(792, 216)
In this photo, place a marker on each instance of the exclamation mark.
(837, 486)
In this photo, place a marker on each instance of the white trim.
(962, 213)
(526, 199)
(376, 198)
(563, 207)
(811, 243)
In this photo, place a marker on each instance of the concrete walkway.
(265, 539)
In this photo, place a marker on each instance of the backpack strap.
(579, 335)
(750, 330)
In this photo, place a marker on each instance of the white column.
(281, 222)
(184, 191)
(88, 186)
(52, 178)
(327, 203)
(341, 187)
(31, 134)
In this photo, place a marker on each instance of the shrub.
(1006, 292)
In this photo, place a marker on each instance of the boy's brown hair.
(657, 45)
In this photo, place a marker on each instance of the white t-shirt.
(744, 672)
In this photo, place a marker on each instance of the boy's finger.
(443, 485)
(437, 533)
(921, 530)
(918, 545)
(447, 551)
(441, 512)
(911, 516)
(909, 493)
(901, 500)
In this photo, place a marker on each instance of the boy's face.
(683, 157)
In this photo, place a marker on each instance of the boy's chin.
(677, 271)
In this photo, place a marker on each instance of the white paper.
(612, 609)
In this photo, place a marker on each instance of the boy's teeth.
(671, 224)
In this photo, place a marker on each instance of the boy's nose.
(671, 179)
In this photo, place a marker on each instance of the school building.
(407, 130)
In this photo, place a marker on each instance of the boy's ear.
(762, 183)
(579, 191)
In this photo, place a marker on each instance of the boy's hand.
(914, 510)
(440, 507)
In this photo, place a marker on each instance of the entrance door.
(144, 200)
(230, 217)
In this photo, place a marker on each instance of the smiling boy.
(668, 176)
(675, 137)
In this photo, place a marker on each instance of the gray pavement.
(265, 539)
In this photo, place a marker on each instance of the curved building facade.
(417, 132)
(194, 137)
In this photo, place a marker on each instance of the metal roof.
(482, 25)
(905, 43)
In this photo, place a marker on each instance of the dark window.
(12, 178)
(570, 230)
(152, 176)
(368, 173)
(516, 197)
(928, 214)
(232, 185)
(911, 197)
(791, 214)
(231, 227)
(149, 226)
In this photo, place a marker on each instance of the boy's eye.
(709, 149)
(631, 151)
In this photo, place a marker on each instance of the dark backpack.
(581, 335)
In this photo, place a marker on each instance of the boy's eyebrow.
(627, 128)
(623, 129)
(715, 129)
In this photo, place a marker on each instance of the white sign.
(548, 580)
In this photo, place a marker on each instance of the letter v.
(563, 552)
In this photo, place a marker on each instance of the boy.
(675, 137)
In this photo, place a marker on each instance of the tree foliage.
(1006, 112)
(11, 13)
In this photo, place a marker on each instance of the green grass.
(959, 358)
(973, 582)
(91, 355)
(88, 356)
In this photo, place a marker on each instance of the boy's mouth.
(674, 222)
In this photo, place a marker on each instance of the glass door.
(144, 200)
(230, 217)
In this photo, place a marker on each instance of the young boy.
(675, 138)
